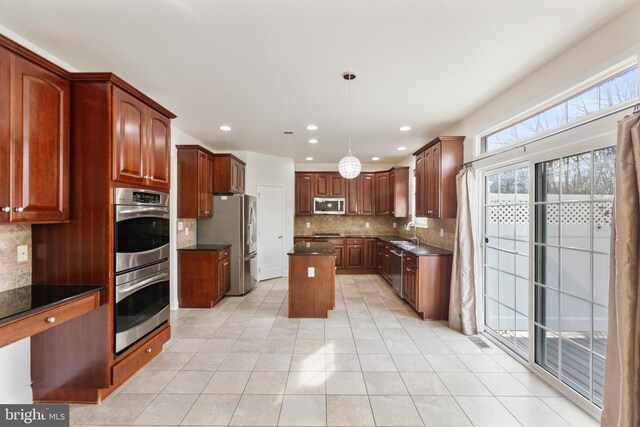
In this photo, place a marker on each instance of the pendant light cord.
(349, 113)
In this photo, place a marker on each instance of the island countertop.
(313, 249)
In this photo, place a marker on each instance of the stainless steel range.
(142, 266)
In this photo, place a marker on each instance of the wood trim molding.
(438, 139)
(194, 147)
(32, 56)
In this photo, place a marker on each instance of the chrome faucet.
(415, 239)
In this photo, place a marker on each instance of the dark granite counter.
(313, 248)
(218, 247)
(419, 250)
(26, 300)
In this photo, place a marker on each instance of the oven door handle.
(124, 291)
(129, 212)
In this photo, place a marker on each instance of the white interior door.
(270, 217)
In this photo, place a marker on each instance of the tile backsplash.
(14, 274)
(345, 224)
(182, 239)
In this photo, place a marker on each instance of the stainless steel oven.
(141, 228)
(142, 303)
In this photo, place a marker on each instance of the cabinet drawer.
(31, 325)
(140, 356)
(355, 241)
(410, 259)
(224, 254)
(335, 242)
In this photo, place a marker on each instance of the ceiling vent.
(287, 133)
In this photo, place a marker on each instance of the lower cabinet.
(409, 276)
(370, 255)
(204, 276)
(355, 254)
(426, 284)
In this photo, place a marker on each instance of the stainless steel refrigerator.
(234, 222)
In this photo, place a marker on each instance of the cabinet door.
(409, 286)
(339, 255)
(322, 185)
(204, 185)
(420, 185)
(128, 138)
(158, 150)
(304, 193)
(41, 150)
(382, 193)
(353, 196)
(355, 256)
(208, 179)
(369, 254)
(5, 132)
(379, 257)
(433, 176)
(368, 194)
(338, 186)
(223, 277)
(392, 193)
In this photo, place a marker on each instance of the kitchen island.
(312, 280)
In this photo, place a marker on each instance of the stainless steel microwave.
(323, 206)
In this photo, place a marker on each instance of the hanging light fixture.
(349, 166)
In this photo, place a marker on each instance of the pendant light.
(349, 166)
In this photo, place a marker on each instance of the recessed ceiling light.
(402, 148)
(404, 128)
(375, 159)
(225, 128)
(309, 158)
(312, 127)
(313, 141)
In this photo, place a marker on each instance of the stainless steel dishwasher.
(396, 271)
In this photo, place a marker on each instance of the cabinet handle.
(20, 209)
(148, 350)
(226, 263)
(151, 177)
(6, 209)
(429, 212)
(51, 319)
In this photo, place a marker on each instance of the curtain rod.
(636, 110)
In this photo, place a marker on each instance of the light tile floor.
(373, 362)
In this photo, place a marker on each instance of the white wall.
(333, 167)
(612, 43)
(264, 169)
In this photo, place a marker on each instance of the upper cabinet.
(399, 192)
(437, 165)
(304, 193)
(382, 193)
(141, 142)
(195, 182)
(329, 185)
(361, 193)
(228, 175)
(34, 142)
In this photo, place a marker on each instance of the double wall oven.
(142, 266)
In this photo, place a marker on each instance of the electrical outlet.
(366, 225)
(180, 225)
(311, 272)
(395, 225)
(186, 231)
(22, 253)
(308, 225)
(442, 232)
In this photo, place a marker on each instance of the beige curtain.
(462, 302)
(622, 373)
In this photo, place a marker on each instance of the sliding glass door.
(506, 257)
(573, 211)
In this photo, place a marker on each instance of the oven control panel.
(146, 198)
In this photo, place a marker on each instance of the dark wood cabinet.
(327, 184)
(34, 142)
(141, 142)
(437, 165)
(355, 253)
(338, 245)
(203, 277)
(361, 195)
(228, 174)
(370, 254)
(382, 193)
(195, 182)
(426, 284)
(304, 183)
(399, 192)
(409, 287)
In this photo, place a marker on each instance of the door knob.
(20, 209)
(6, 209)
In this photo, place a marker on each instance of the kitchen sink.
(404, 244)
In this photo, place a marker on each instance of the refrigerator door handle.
(250, 256)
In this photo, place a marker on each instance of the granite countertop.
(26, 300)
(420, 250)
(218, 247)
(313, 248)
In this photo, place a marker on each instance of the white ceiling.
(266, 66)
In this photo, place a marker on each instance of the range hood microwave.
(323, 206)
